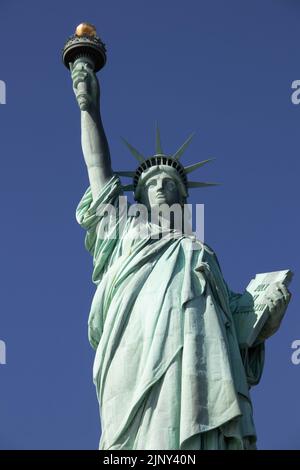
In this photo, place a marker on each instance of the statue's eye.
(151, 184)
(170, 185)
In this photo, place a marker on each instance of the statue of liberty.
(169, 370)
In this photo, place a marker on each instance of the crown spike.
(158, 147)
(134, 151)
(184, 146)
(190, 168)
(199, 184)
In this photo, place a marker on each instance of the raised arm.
(93, 139)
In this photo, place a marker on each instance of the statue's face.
(160, 188)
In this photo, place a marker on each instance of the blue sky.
(221, 69)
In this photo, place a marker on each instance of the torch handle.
(82, 87)
(82, 96)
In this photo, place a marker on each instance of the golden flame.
(85, 29)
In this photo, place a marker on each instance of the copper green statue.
(170, 370)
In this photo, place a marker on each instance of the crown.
(160, 158)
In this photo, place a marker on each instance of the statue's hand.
(85, 86)
(277, 302)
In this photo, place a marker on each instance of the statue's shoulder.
(210, 255)
(208, 251)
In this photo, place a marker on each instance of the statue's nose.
(159, 185)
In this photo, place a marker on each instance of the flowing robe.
(168, 369)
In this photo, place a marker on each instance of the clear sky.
(221, 69)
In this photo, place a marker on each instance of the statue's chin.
(157, 204)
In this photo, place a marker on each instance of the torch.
(86, 47)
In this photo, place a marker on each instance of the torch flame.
(85, 29)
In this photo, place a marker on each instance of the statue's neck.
(166, 223)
